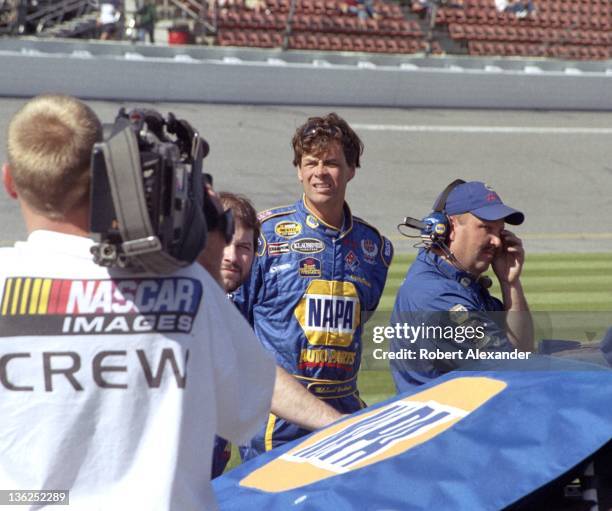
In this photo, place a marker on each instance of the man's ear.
(299, 173)
(351, 173)
(7, 179)
(452, 227)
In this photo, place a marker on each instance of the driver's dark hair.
(317, 133)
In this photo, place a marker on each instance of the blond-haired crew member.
(112, 383)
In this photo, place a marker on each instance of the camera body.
(147, 193)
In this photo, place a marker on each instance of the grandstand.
(568, 29)
(564, 29)
(48, 18)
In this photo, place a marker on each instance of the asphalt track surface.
(554, 166)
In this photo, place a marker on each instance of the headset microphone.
(413, 223)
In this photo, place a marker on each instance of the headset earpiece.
(437, 223)
(436, 227)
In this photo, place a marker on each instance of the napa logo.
(376, 436)
(329, 313)
(440, 228)
(352, 446)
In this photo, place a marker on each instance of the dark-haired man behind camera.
(290, 400)
(112, 383)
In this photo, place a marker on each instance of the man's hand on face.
(509, 260)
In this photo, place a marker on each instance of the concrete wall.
(97, 70)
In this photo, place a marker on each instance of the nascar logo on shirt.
(329, 312)
(41, 306)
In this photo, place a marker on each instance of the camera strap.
(140, 244)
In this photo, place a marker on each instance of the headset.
(435, 227)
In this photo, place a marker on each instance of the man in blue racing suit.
(318, 274)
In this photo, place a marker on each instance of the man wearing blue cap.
(444, 315)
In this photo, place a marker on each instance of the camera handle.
(140, 244)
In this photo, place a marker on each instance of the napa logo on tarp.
(359, 442)
(43, 306)
(329, 312)
(375, 436)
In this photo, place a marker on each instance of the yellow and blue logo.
(329, 312)
(440, 228)
(288, 229)
(375, 436)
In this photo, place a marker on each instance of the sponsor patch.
(261, 245)
(288, 229)
(387, 252)
(440, 228)
(327, 358)
(350, 243)
(351, 260)
(276, 249)
(329, 313)
(381, 434)
(310, 267)
(307, 246)
(40, 306)
(312, 222)
(369, 248)
(262, 215)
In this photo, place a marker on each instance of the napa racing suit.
(312, 287)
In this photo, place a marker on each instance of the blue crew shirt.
(440, 314)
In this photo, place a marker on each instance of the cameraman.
(112, 384)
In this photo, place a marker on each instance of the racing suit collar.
(442, 266)
(321, 226)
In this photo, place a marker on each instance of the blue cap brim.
(499, 212)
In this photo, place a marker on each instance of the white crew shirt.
(113, 384)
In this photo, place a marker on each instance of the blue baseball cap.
(482, 201)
